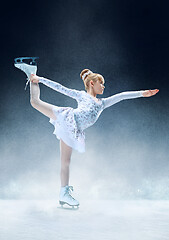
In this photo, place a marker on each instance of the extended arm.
(128, 95)
(121, 96)
(60, 88)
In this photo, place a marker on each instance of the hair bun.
(85, 73)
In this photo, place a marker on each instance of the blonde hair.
(91, 76)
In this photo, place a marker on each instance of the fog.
(126, 154)
(106, 219)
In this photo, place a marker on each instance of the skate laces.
(69, 190)
(28, 80)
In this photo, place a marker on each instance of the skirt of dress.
(66, 128)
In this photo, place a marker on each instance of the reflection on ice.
(38, 220)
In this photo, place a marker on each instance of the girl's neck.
(91, 92)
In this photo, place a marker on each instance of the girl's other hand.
(149, 93)
(34, 78)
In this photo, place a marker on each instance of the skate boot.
(28, 68)
(66, 198)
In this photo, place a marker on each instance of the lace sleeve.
(60, 88)
(121, 96)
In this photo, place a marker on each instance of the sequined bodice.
(88, 110)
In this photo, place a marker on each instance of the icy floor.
(94, 220)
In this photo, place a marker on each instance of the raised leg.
(41, 106)
(65, 155)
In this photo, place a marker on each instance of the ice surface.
(94, 220)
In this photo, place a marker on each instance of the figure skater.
(69, 123)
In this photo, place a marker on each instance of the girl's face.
(98, 87)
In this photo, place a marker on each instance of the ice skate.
(28, 65)
(66, 198)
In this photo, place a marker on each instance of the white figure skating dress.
(70, 123)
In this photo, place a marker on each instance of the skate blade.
(75, 207)
(28, 60)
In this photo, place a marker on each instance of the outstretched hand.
(149, 93)
(34, 78)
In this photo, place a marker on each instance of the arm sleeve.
(121, 96)
(60, 88)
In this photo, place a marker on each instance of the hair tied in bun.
(86, 74)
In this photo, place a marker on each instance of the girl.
(69, 123)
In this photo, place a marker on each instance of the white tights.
(46, 109)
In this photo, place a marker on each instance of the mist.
(125, 158)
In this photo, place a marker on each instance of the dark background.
(125, 41)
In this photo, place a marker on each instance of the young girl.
(69, 123)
